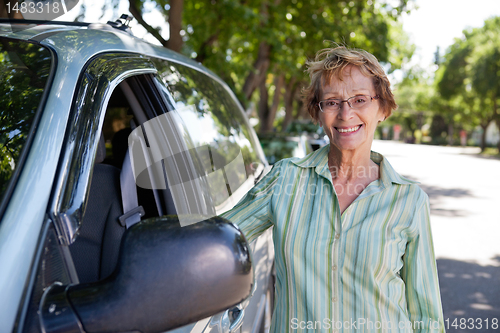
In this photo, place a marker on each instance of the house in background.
(492, 135)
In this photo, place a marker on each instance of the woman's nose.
(345, 112)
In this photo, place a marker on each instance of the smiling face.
(348, 128)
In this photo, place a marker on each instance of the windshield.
(24, 70)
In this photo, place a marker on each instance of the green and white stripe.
(371, 269)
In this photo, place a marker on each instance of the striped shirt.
(370, 269)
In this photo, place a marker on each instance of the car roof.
(26, 31)
(95, 37)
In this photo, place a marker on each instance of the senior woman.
(352, 238)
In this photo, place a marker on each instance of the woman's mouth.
(345, 130)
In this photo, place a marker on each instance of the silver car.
(116, 158)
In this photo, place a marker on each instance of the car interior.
(95, 250)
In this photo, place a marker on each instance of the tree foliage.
(260, 47)
(469, 78)
(414, 95)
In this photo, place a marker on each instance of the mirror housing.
(167, 276)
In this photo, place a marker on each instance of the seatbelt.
(132, 211)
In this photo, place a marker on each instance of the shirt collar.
(319, 161)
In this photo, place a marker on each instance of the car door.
(200, 167)
(66, 250)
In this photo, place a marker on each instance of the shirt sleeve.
(419, 273)
(252, 214)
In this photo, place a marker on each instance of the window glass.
(212, 118)
(24, 70)
(116, 130)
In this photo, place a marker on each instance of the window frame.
(99, 78)
(4, 202)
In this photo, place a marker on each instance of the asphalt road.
(464, 192)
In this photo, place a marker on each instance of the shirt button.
(337, 236)
(334, 299)
(334, 267)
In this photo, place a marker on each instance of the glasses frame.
(346, 100)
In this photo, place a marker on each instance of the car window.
(112, 192)
(116, 130)
(24, 71)
(211, 117)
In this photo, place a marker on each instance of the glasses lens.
(358, 102)
(330, 105)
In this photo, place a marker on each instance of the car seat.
(95, 250)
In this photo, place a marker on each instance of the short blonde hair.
(330, 63)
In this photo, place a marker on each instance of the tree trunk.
(263, 107)
(259, 72)
(175, 21)
(290, 89)
(261, 64)
(450, 134)
(498, 126)
(496, 114)
(302, 112)
(268, 114)
(205, 47)
(483, 136)
(137, 13)
(279, 82)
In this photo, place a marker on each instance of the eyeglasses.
(355, 102)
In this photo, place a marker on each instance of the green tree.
(260, 47)
(414, 95)
(469, 79)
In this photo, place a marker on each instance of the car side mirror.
(167, 276)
